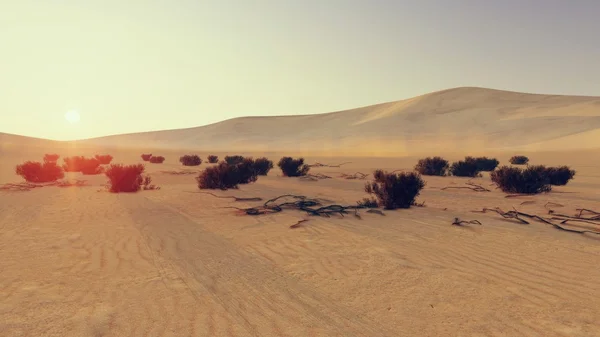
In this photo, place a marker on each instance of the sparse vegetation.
(90, 166)
(146, 157)
(465, 168)
(73, 164)
(36, 172)
(531, 180)
(484, 163)
(395, 190)
(262, 166)
(51, 158)
(213, 159)
(104, 159)
(126, 178)
(559, 176)
(157, 159)
(190, 160)
(519, 160)
(232, 160)
(223, 176)
(368, 203)
(432, 166)
(291, 167)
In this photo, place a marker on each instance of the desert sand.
(80, 261)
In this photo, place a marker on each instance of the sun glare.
(72, 117)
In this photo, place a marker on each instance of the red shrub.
(90, 166)
(104, 159)
(51, 158)
(146, 157)
(73, 164)
(213, 159)
(157, 160)
(36, 172)
(125, 178)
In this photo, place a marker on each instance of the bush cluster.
(559, 176)
(126, 178)
(51, 158)
(531, 180)
(395, 190)
(519, 160)
(156, 159)
(146, 157)
(232, 160)
(225, 176)
(465, 168)
(484, 164)
(262, 166)
(213, 159)
(36, 172)
(88, 166)
(190, 160)
(432, 166)
(104, 159)
(291, 167)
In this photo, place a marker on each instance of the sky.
(142, 65)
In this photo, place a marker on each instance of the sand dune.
(475, 118)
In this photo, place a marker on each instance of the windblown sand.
(80, 261)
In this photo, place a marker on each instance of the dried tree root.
(185, 172)
(596, 215)
(506, 215)
(552, 204)
(459, 222)
(376, 211)
(232, 197)
(297, 224)
(26, 186)
(357, 175)
(472, 187)
(314, 177)
(527, 202)
(326, 165)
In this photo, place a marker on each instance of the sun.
(72, 117)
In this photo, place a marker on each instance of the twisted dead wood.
(459, 222)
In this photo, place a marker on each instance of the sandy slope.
(474, 118)
(79, 262)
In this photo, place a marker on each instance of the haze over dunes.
(471, 118)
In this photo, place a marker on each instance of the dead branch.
(472, 187)
(596, 215)
(314, 177)
(185, 172)
(297, 224)
(376, 211)
(552, 204)
(527, 202)
(356, 175)
(231, 197)
(317, 164)
(459, 222)
(26, 186)
(506, 215)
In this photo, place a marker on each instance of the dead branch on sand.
(297, 224)
(231, 197)
(471, 186)
(315, 177)
(185, 172)
(459, 222)
(317, 164)
(356, 175)
(26, 186)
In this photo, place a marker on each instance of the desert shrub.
(262, 166)
(90, 166)
(104, 159)
(559, 176)
(484, 163)
(232, 160)
(146, 157)
(125, 178)
(222, 176)
(190, 160)
(246, 171)
(212, 159)
(432, 166)
(51, 158)
(36, 172)
(395, 190)
(518, 160)
(291, 167)
(368, 203)
(465, 168)
(531, 180)
(73, 164)
(157, 159)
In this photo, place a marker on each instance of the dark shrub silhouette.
(484, 163)
(90, 166)
(125, 178)
(51, 158)
(291, 167)
(213, 159)
(395, 190)
(518, 160)
(368, 203)
(146, 157)
(465, 168)
(559, 176)
(531, 180)
(157, 159)
(232, 160)
(246, 171)
(263, 166)
(432, 166)
(190, 160)
(73, 164)
(36, 172)
(104, 159)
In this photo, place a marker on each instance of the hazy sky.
(141, 65)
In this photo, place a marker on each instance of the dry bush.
(484, 163)
(232, 160)
(246, 171)
(190, 160)
(146, 157)
(368, 203)
(90, 166)
(465, 168)
(157, 159)
(73, 164)
(51, 158)
(262, 166)
(432, 166)
(222, 176)
(104, 159)
(125, 178)
(395, 190)
(559, 176)
(531, 180)
(36, 172)
(291, 167)
(213, 159)
(519, 160)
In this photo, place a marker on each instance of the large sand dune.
(474, 118)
